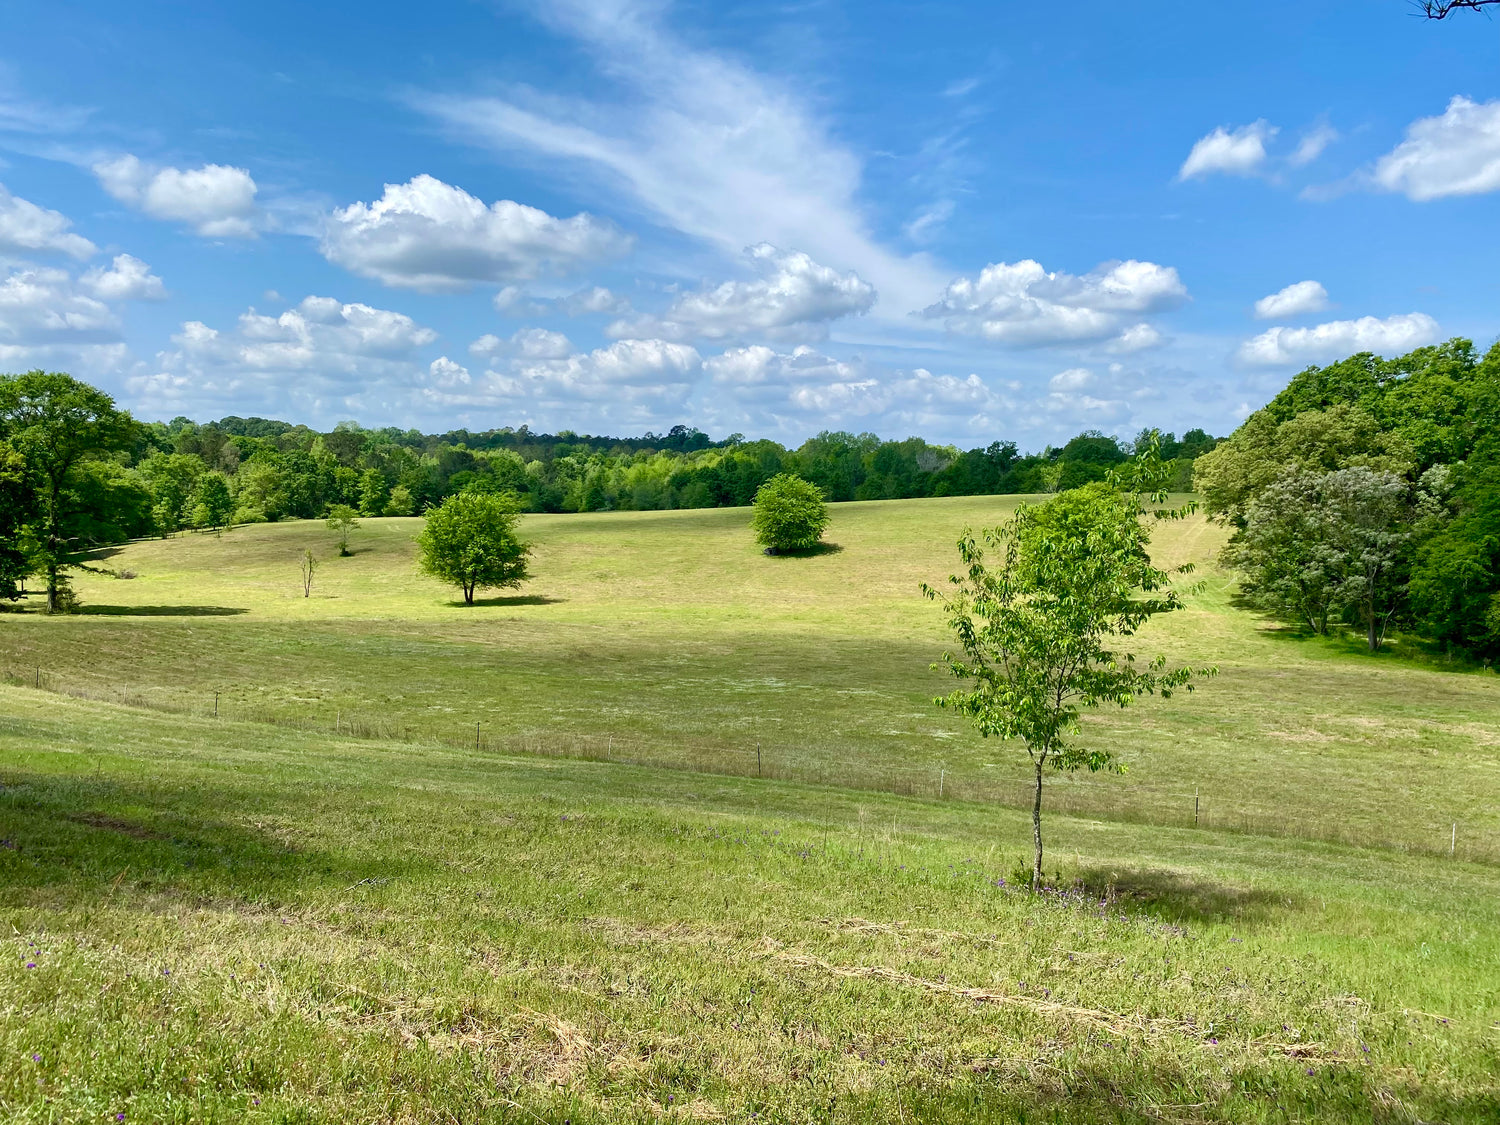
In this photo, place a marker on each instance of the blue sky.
(965, 221)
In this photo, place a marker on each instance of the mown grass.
(213, 920)
(667, 638)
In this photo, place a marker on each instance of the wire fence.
(1065, 794)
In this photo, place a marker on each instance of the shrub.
(790, 514)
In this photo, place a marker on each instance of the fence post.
(216, 705)
(1195, 807)
(941, 771)
(38, 675)
(609, 748)
(1453, 840)
(476, 738)
(757, 759)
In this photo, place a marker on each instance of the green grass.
(667, 638)
(239, 923)
(332, 902)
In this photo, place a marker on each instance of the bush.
(790, 514)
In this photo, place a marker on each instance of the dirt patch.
(115, 824)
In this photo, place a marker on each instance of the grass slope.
(666, 637)
(213, 920)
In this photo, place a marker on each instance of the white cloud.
(1393, 335)
(445, 373)
(1073, 379)
(1023, 304)
(43, 306)
(795, 297)
(700, 142)
(759, 366)
(589, 301)
(1312, 144)
(1295, 300)
(216, 200)
(127, 279)
(321, 358)
(426, 234)
(1137, 338)
(1232, 152)
(527, 343)
(1455, 154)
(27, 227)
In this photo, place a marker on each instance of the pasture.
(337, 901)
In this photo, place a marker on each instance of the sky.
(963, 221)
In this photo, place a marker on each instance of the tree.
(58, 424)
(470, 541)
(17, 509)
(341, 522)
(1317, 543)
(790, 514)
(372, 496)
(1041, 603)
(171, 478)
(400, 503)
(308, 568)
(213, 503)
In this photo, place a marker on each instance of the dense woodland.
(1366, 494)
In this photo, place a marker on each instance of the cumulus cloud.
(426, 234)
(216, 200)
(528, 343)
(1392, 335)
(795, 297)
(758, 366)
(1457, 153)
(25, 226)
(127, 279)
(1297, 299)
(1230, 152)
(1137, 338)
(1022, 304)
(446, 373)
(321, 357)
(44, 306)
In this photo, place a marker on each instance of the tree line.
(1367, 494)
(77, 473)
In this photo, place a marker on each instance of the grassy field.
(667, 638)
(338, 901)
(212, 920)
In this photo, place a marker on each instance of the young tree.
(1038, 622)
(308, 568)
(790, 514)
(213, 503)
(57, 424)
(17, 509)
(341, 522)
(470, 541)
(401, 502)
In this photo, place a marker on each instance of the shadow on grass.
(159, 610)
(514, 599)
(1172, 897)
(87, 835)
(806, 552)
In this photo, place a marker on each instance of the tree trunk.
(54, 536)
(1036, 833)
(1372, 637)
(468, 594)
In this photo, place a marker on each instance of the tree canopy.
(470, 540)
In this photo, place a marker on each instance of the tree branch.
(1442, 9)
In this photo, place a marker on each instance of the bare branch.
(1442, 9)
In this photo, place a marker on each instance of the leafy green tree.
(1318, 543)
(213, 502)
(470, 540)
(171, 478)
(1038, 610)
(341, 521)
(790, 514)
(17, 509)
(58, 425)
(401, 502)
(372, 494)
(1455, 583)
